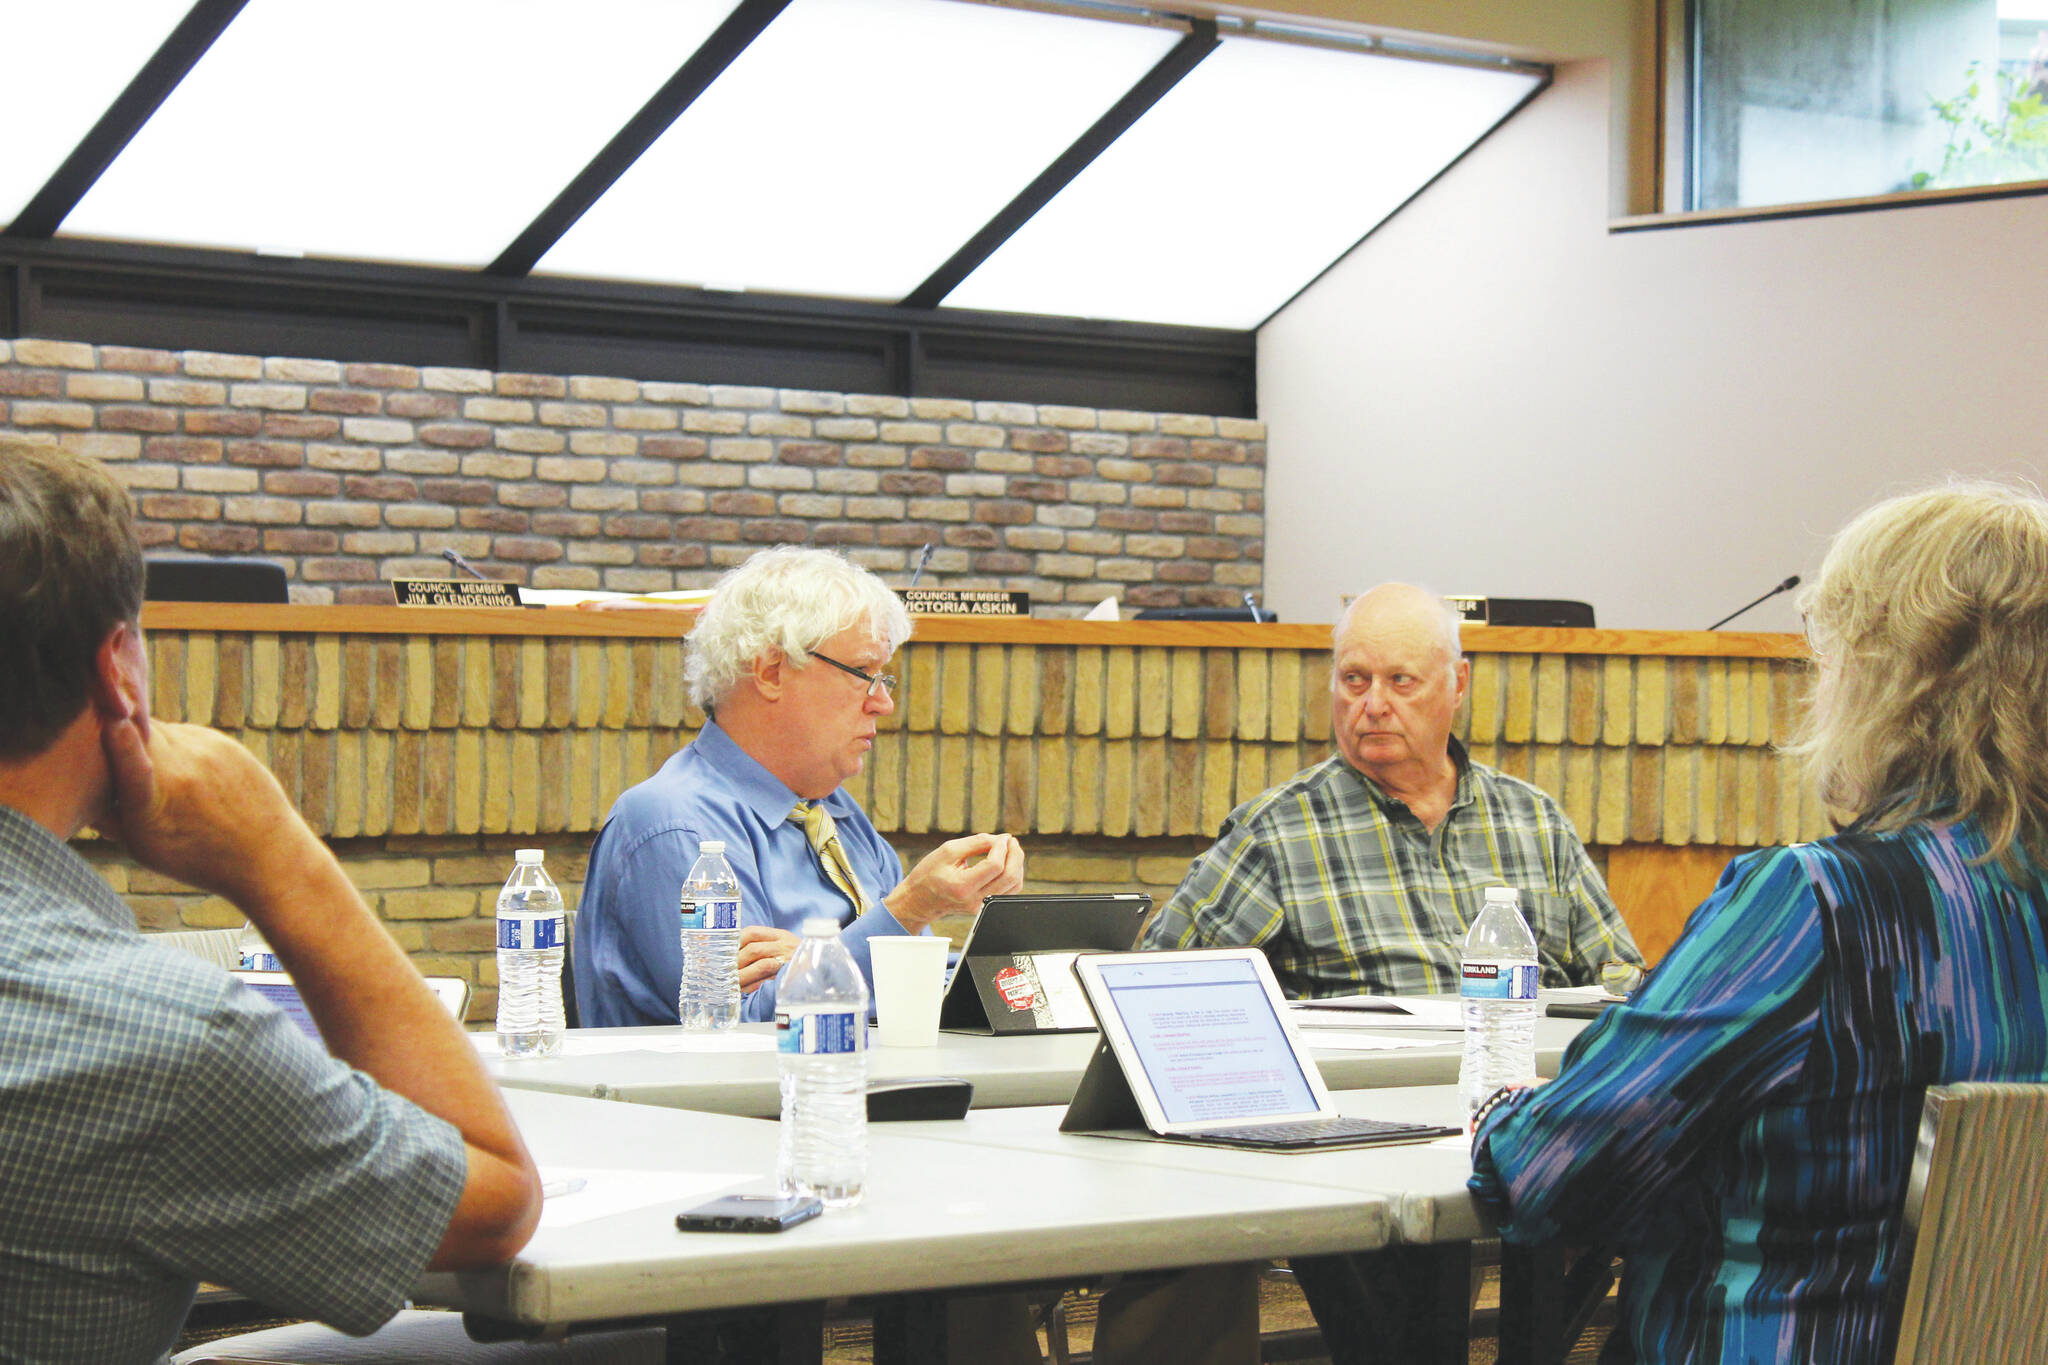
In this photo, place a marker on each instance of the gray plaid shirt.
(1349, 894)
(160, 1125)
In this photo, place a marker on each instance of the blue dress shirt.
(628, 951)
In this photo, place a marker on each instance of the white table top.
(1007, 1071)
(1018, 1070)
(1423, 1182)
(939, 1213)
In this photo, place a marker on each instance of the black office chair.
(214, 580)
(1538, 611)
(569, 1011)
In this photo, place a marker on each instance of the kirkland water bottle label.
(836, 1031)
(693, 914)
(1498, 981)
(529, 933)
(720, 914)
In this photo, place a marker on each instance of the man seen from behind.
(159, 1124)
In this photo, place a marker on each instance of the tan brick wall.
(352, 474)
(428, 760)
(438, 895)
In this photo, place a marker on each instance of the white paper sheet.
(1378, 1011)
(576, 597)
(1348, 1040)
(1584, 993)
(596, 1043)
(577, 1194)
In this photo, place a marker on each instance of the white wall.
(1494, 394)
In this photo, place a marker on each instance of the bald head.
(1405, 608)
(1396, 679)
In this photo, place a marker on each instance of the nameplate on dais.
(965, 602)
(453, 592)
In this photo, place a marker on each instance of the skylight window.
(852, 148)
(384, 129)
(1254, 173)
(69, 63)
(1066, 159)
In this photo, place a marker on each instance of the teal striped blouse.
(1744, 1128)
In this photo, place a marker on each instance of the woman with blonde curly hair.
(1744, 1127)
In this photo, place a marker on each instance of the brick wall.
(351, 474)
(425, 760)
(437, 894)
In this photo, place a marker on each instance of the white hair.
(788, 598)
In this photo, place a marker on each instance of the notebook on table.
(277, 988)
(1198, 1046)
(1016, 967)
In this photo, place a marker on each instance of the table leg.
(1399, 1304)
(1532, 1305)
(788, 1334)
(1440, 1318)
(910, 1329)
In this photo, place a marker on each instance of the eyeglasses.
(877, 682)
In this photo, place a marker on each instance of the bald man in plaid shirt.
(1361, 874)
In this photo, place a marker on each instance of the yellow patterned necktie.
(824, 837)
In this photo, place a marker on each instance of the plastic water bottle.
(1498, 986)
(710, 996)
(531, 927)
(255, 953)
(821, 1021)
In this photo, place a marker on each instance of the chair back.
(571, 1016)
(1976, 1228)
(214, 580)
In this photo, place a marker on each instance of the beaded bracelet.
(1493, 1102)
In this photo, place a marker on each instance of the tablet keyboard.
(1330, 1132)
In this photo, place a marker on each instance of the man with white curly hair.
(786, 661)
(786, 658)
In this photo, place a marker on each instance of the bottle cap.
(711, 846)
(818, 926)
(1502, 893)
(530, 855)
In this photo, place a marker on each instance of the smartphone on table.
(750, 1213)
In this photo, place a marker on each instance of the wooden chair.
(1976, 1228)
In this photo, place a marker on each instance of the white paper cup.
(910, 978)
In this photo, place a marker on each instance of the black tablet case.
(1009, 926)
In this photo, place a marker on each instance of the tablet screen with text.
(1210, 1043)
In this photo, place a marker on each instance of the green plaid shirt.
(1349, 894)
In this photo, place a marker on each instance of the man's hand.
(763, 951)
(190, 803)
(954, 878)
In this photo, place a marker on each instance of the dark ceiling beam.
(123, 119)
(679, 92)
(1185, 57)
(189, 298)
